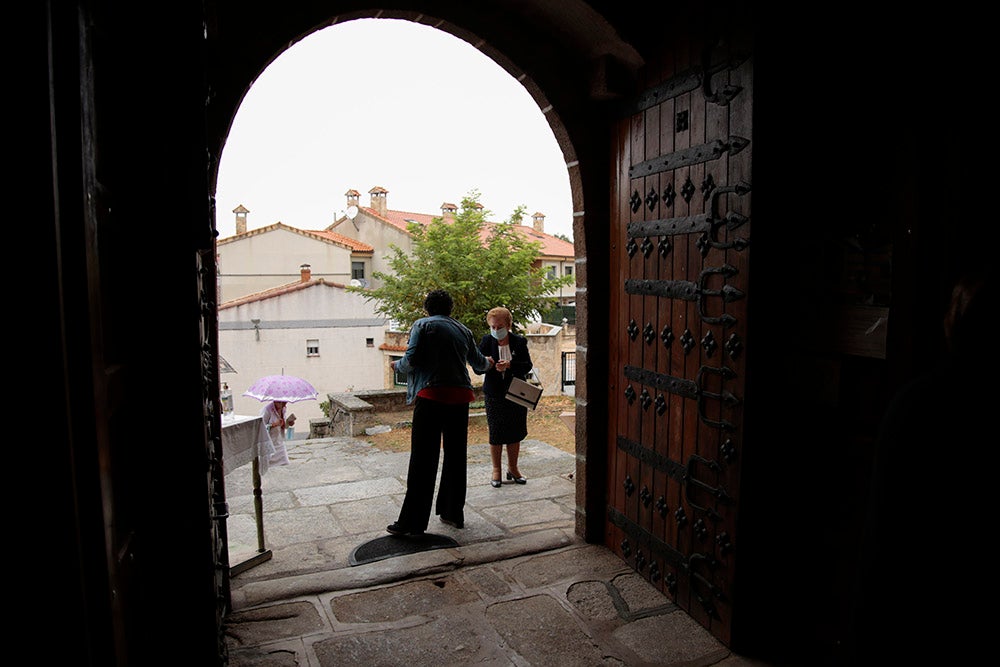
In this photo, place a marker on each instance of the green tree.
(481, 264)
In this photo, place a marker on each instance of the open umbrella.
(287, 388)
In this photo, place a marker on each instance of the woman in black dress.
(508, 421)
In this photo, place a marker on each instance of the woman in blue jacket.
(440, 390)
(507, 421)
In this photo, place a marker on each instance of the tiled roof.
(323, 235)
(400, 219)
(356, 246)
(272, 292)
(551, 246)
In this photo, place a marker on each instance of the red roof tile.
(356, 246)
(551, 246)
(322, 235)
(272, 292)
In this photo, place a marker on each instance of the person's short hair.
(438, 302)
(500, 311)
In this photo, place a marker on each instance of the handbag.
(523, 393)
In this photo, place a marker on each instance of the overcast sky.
(390, 103)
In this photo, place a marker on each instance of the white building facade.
(313, 329)
(258, 259)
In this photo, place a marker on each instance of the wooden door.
(679, 292)
(134, 479)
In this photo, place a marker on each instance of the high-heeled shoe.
(495, 483)
(517, 480)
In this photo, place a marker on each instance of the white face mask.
(499, 334)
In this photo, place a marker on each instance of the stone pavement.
(520, 589)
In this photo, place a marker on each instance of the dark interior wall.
(863, 141)
(65, 571)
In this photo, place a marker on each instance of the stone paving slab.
(552, 638)
(335, 489)
(521, 589)
(474, 615)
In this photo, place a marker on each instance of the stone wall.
(349, 415)
(385, 400)
(546, 343)
(352, 413)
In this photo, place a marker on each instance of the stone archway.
(568, 39)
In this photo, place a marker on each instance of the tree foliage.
(481, 264)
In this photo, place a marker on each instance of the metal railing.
(568, 369)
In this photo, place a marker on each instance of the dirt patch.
(544, 424)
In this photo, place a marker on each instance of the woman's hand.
(502, 365)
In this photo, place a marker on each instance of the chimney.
(378, 194)
(241, 219)
(448, 211)
(352, 197)
(306, 272)
(539, 223)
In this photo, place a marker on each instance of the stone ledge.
(349, 415)
(353, 414)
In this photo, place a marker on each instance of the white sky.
(383, 102)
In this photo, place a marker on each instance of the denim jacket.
(437, 354)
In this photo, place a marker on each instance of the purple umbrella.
(287, 388)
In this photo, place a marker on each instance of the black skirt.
(507, 421)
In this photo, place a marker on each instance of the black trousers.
(436, 426)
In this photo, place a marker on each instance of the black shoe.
(495, 483)
(517, 480)
(453, 524)
(395, 529)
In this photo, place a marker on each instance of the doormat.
(393, 545)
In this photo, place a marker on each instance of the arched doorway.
(426, 118)
(629, 464)
(592, 84)
(568, 56)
